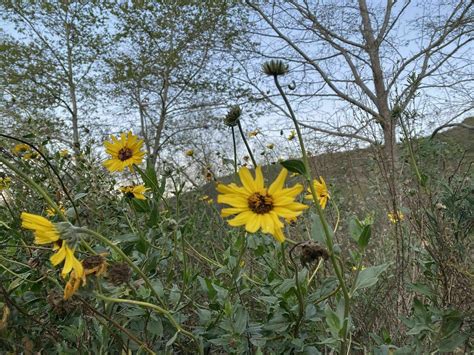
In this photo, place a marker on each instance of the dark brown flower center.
(125, 153)
(259, 203)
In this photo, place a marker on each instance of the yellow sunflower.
(257, 207)
(134, 191)
(125, 152)
(5, 183)
(19, 149)
(321, 191)
(45, 233)
(395, 217)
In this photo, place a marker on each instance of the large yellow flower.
(45, 233)
(125, 152)
(321, 191)
(134, 191)
(257, 207)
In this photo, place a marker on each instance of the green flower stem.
(157, 309)
(119, 251)
(35, 186)
(299, 293)
(247, 144)
(412, 156)
(327, 233)
(234, 144)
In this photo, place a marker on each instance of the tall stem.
(327, 233)
(235, 150)
(247, 144)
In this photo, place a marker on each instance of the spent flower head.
(233, 116)
(275, 67)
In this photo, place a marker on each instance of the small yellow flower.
(207, 199)
(124, 152)
(321, 192)
(134, 191)
(189, 153)
(254, 133)
(19, 149)
(270, 146)
(395, 217)
(64, 153)
(292, 135)
(354, 268)
(51, 212)
(45, 233)
(257, 207)
(5, 183)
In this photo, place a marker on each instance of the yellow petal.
(279, 182)
(259, 182)
(253, 223)
(247, 180)
(279, 236)
(241, 218)
(233, 200)
(226, 212)
(59, 256)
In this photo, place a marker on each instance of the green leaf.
(365, 236)
(452, 343)
(369, 276)
(333, 321)
(295, 166)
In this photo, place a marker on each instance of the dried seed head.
(311, 252)
(119, 274)
(275, 67)
(233, 116)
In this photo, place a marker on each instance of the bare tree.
(375, 58)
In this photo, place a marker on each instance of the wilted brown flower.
(119, 273)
